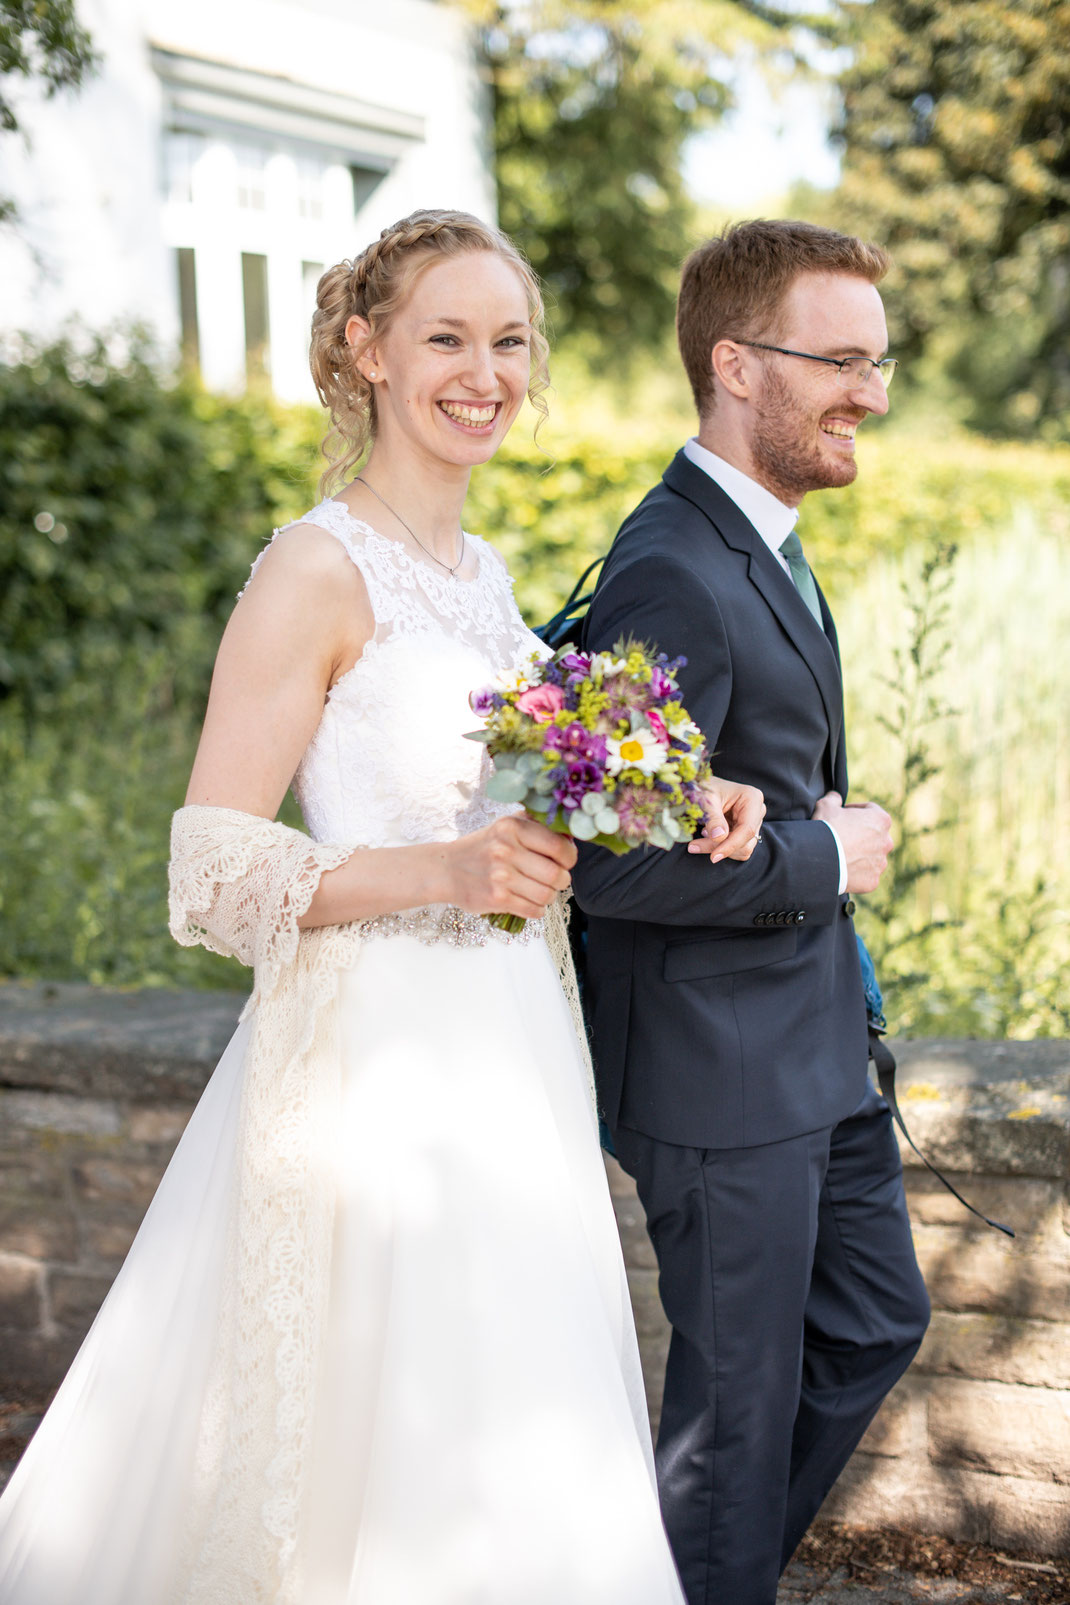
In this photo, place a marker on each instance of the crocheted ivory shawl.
(238, 886)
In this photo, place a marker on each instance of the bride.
(372, 1345)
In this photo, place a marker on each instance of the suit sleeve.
(795, 866)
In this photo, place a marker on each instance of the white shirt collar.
(773, 520)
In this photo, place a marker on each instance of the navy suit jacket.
(726, 1000)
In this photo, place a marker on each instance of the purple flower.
(576, 742)
(574, 781)
(482, 701)
(660, 684)
(576, 667)
(584, 743)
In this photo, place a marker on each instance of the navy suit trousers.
(789, 1277)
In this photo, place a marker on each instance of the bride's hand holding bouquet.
(599, 747)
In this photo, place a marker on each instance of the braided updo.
(373, 285)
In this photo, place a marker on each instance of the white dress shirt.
(774, 522)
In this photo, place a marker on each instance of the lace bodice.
(388, 764)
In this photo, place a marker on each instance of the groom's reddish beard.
(786, 445)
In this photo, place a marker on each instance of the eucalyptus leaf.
(592, 803)
(582, 826)
(530, 763)
(659, 838)
(538, 803)
(608, 821)
(479, 735)
(507, 786)
(544, 783)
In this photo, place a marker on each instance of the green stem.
(506, 922)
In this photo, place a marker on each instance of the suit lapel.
(815, 646)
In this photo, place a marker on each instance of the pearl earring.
(371, 373)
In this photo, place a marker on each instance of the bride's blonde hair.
(373, 285)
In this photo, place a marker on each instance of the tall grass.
(982, 942)
(86, 797)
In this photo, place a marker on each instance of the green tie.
(800, 573)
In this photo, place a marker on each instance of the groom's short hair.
(734, 286)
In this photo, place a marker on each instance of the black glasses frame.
(885, 367)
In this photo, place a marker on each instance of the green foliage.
(130, 510)
(40, 39)
(969, 747)
(592, 101)
(957, 156)
(552, 508)
(86, 796)
(899, 925)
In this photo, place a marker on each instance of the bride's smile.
(452, 368)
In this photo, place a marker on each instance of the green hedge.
(551, 515)
(129, 507)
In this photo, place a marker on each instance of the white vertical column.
(220, 309)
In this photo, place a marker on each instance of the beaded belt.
(441, 922)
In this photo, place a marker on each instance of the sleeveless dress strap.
(334, 519)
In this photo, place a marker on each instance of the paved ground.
(842, 1565)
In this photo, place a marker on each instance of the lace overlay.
(388, 765)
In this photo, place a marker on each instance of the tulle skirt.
(480, 1434)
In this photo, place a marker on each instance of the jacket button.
(800, 917)
(849, 907)
(759, 919)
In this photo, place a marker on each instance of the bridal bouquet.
(598, 745)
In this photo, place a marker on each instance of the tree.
(40, 39)
(957, 155)
(592, 102)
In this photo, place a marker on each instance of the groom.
(726, 998)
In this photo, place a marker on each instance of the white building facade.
(223, 155)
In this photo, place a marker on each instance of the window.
(366, 181)
(310, 189)
(252, 178)
(311, 273)
(255, 298)
(181, 152)
(187, 306)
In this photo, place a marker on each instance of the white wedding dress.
(478, 1432)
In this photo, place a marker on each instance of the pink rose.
(541, 702)
(657, 724)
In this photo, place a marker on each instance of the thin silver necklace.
(393, 510)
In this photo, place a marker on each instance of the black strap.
(548, 632)
(581, 582)
(884, 1061)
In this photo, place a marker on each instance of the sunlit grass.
(998, 807)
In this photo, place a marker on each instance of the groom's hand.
(865, 833)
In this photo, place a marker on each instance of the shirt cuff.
(841, 855)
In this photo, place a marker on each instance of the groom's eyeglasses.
(854, 371)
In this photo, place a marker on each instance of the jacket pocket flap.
(726, 955)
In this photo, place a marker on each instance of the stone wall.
(95, 1091)
(95, 1088)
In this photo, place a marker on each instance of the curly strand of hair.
(372, 286)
